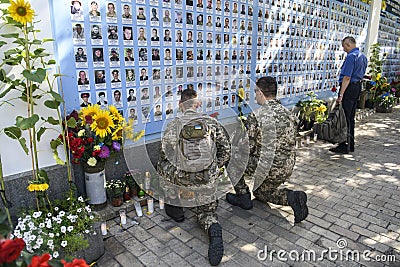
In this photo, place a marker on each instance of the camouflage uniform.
(205, 181)
(270, 120)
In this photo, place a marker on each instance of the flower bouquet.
(115, 190)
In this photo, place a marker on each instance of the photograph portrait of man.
(80, 55)
(96, 32)
(114, 55)
(99, 76)
(127, 12)
(82, 79)
(128, 54)
(127, 33)
(111, 10)
(85, 100)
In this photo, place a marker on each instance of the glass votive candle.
(315, 137)
(103, 228)
(150, 205)
(308, 140)
(122, 215)
(161, 202)
(138, 209)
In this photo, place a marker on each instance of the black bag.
(334, 129)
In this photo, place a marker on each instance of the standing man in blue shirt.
(351, 74)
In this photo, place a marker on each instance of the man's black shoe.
(175, 212)
(240, 200)
(216, 247)
(340, 150)
(298, 201)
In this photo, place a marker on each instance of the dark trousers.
(349, 104)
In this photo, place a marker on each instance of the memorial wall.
(139, 55)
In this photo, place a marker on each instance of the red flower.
(40, 261)
(90, 140)
(88, 119)
(334, 89)
(10, 249)
(75, 263)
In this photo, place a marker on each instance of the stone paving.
(354, 219)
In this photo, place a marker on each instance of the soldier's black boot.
(175, 212)
(240, 200)
(216, 247)
(298, 201)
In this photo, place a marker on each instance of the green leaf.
(10, 35)
(40, 133)
(3, 75)
(52, 104)
(71, 123)
(52, 121)
(55, 143)
(36, 76)
(57, 158)
(47, 40)
(42, 175)
(2, 43)
(57, 96)
(13, 132)
(22, 142)
(38, 51)
(37, 42)
(5, 92)
(27, 123)
(51, 62)
(20, 41)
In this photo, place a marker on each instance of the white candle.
(308, 140)
(122, 214)
(138, 209)
(150, 205)
(161, 201)
(103, 228)
(315, 137)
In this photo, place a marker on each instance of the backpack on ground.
(196, 148)
(334, 128)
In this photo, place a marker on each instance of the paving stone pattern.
(354, 202)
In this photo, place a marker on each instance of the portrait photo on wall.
(81, 57)
(100, 78)
(129, 59)
(83, 80)
(117, 101)
(126, 13)
(76, 10)
(95, 34)
(94, 13)
(131, 99)
(102, 99)
(85, 100)
(78, 34)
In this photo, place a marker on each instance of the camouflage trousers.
(268, 191)
(206, 215)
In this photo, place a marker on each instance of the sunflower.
(102, 123)
(241, 93)
(89, 111)
(321, 108)
(21, 11)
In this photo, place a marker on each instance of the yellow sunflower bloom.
(117, 133)
(89, 111)
(378, 76)
(102, 123)
(21, 11)
(241, 93)
(38, 187)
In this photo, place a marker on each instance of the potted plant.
(307, 107)
(115, 190)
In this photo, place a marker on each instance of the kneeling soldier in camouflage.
(271, 129)
(194, 148)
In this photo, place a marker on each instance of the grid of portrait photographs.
(141, 54)
(388, 38)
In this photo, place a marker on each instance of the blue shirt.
(354, 66)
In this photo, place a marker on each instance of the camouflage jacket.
(176, 176)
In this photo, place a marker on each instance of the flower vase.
(95, 182)
(117, 201)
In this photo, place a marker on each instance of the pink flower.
(104, 152)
